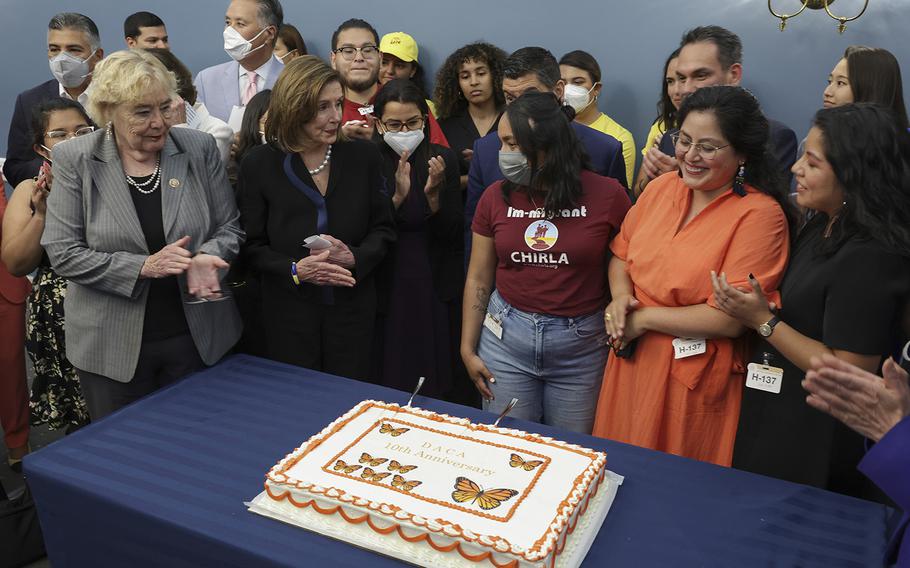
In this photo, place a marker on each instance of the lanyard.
(322, 214)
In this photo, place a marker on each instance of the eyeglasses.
(367, 51)
(706, 151)
(58, 135)
(411, 125)
(143, 115)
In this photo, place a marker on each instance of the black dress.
(461, 132)
(851, 301)
(421, 282)
(324, 328)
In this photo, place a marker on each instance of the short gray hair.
(270, 13)
(75, 21)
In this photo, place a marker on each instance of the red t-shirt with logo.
(553, 266)
(351, 111)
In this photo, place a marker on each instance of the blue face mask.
(515, 167)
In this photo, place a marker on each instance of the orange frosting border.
(396, 527)
(367, 405)
(327, 468)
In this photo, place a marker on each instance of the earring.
(738, 188)
(108, 130)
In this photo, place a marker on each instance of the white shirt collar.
(82, 99)
(263, 71)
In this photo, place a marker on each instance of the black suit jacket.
(277, 217)
(21, 161)
(782, 141)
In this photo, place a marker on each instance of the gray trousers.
(161, 363)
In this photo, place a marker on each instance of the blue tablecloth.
(162, 483)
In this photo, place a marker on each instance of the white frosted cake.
(436, 490)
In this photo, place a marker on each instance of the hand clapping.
(171, 260)
(202, 278)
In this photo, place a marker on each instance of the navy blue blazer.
(782, 141)
(604, 152)
(22, 162)
(888, 465)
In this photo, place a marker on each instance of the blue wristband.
(294, 273)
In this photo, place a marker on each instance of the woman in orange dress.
(677, 381)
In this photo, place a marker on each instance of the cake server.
(420, 382)
(506, 410)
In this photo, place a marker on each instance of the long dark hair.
(448, 96)
(743, 125)
(249, 127)
(875, 77)
(41, 116)
(870, 154)
(666, 112)
(541, 124)
(404, 91)
(419, 79)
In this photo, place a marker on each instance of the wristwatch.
(767, 328)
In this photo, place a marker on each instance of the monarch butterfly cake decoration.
(340, 465)
(404, 484)
(395, 466)
(517, 461)
(386, 428)
(371, 475)
(466, 490)
(371, 461)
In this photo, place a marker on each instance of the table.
(162, 483)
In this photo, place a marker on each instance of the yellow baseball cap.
(399, 44)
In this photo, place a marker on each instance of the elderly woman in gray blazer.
(142, 222)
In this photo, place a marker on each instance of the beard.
(361, 85)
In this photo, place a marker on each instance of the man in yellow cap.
(399, 61)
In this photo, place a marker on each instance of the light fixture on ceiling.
(818, 5)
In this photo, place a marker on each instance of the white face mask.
(401, 141)
(262, 137)
(578, 97)
(282, 58)
(237, 46)
(69, 70)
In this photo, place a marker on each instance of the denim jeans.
(553, 365)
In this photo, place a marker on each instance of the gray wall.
(630, 38)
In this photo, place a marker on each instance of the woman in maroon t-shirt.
(543, 236)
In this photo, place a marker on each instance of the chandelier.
(818, 5)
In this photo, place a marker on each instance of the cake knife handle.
(506, 410)
(420, 382)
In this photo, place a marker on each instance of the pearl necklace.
(328, 156)
(155, 177)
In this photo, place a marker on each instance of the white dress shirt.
(261, 76)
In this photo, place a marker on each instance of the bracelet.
(294, 273)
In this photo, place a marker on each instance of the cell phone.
(628, 351)
(316, 242)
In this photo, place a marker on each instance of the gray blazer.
(218, 86)
(93, 238)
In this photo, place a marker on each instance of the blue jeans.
(553, 365)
